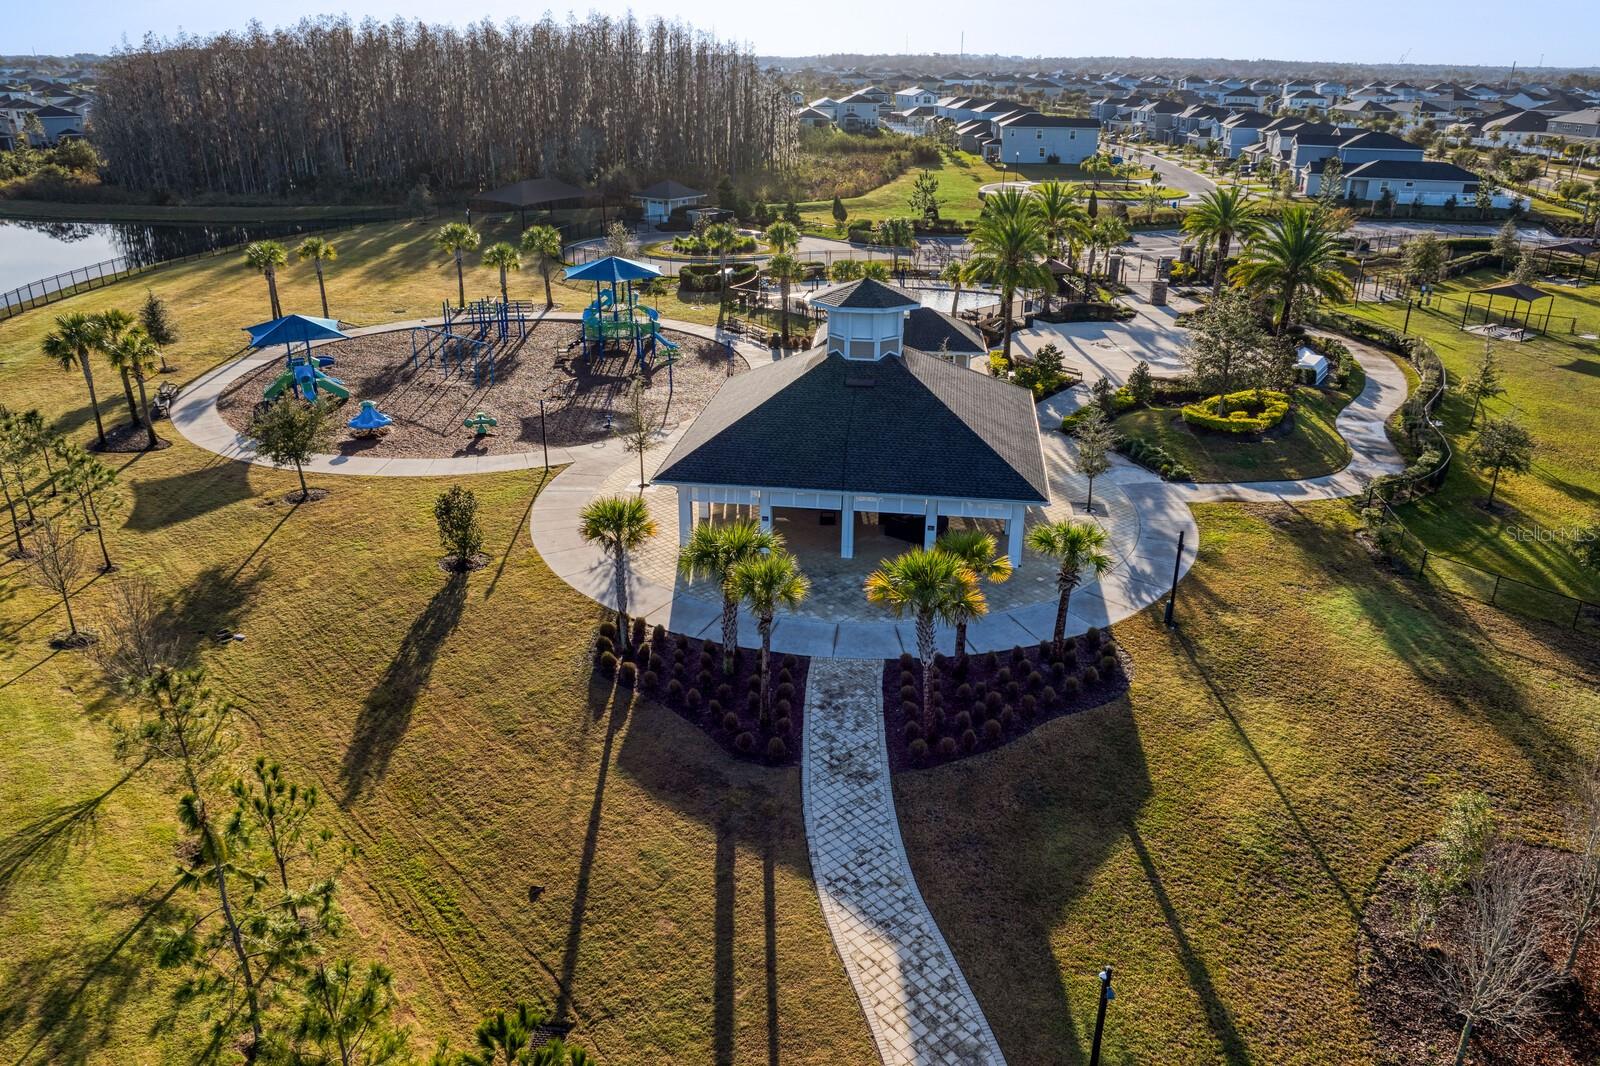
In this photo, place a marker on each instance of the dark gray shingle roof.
(910, 424)
(867, 293)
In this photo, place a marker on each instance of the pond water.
(31, 251)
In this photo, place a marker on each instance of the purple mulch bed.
(987, 700)
(674, 671)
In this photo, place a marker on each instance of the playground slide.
(663, 342)
(332, 386)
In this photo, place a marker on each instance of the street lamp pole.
(1172, 596)
(544, 441)
(1106, 996)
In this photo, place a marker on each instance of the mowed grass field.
(1552, 386)
(1214, 834)
(960, 176)
(449, 724)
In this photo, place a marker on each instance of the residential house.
(1354, 112)
(1577, 125)
(915, 96)
(1034, 138)
(1513, 128)
(1240, 130)
(59, 124)
(665, 197)
(1156, 118)
(1426, 183)
(1247, 96)
(812, 118)
(863, 110)
(1305, 100)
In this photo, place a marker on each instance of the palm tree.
(619, 524)
(69, 344)
(897, 233)
(1061, 210)
(505, 256)
(722, 236)
(1223, 217)
(456, 239)
(1008, 243)
(542, 244)
(933, 586)
(712, 554)
(978, 551)
(109, 325)
(765, 583)
(265, 257)
(133, 352)
(1095, 166)
(1294, 253)
(1075, 546)
(785, 270)
(953, 274)
(783, 236)
(319, 251)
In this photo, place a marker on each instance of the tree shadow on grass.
(162, 502)
(37, 848)
(601, 700)
(73, 994)
(386, 714)
(1002, 845)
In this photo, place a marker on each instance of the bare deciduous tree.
(58, 564)
(1487, 964)
(1582, 892)
(637, 426)
(135, 640)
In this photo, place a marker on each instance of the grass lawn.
(449, 724)
(1553, 385)
(1214, 833)
(1310, 447)
(960, 176)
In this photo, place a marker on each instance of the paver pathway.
(917, 1002)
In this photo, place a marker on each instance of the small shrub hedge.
(696, 277)
(1154, 457)
(694, 244)
(1122, 402)
(1249, 411)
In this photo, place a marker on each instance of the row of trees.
(327, 105)
(750, 567)
(131, 346)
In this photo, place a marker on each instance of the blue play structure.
(369, 421)
(302, 375)
(616, 319)
(469, 335)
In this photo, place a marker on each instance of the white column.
(704, 507)
(1014, 534)
(930, 531)
(847, 527)
(766, 516)
(685, 514)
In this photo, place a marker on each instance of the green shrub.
(1154, 457)
(1253, 411)
(1122, 401)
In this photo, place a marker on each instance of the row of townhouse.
(61, 108)
(998, 129)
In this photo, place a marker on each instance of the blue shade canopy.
(613, 268)
(294, 329)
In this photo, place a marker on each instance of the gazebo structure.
(1519, 295)
(879, 427)
(1580, 248)
(547, 193)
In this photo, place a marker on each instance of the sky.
(1563, 33)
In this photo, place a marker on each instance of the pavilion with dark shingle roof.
(877, 420)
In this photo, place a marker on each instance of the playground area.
(430, 401)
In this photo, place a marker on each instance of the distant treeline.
(330, 107)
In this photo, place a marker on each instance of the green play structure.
(616, 320)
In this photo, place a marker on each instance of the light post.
(544, 441)
(1106, 996)
(1172, 599)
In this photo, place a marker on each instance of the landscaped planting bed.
(1249, 411)
(686, 675)
(983, 701)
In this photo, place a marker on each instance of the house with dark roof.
(1514, 128)
(1425, 183)
(1583, 125)
(1029, 137)
(665, 197)
(1240, 130)
(878, 421)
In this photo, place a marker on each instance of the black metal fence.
(98, 275)
(1457, 577)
